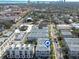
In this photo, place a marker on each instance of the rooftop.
(42, 40)
(20, 36)
(38, 35)
(21, 47)
(66, 32)
(42, 48)
(63, 26)
(72, 43)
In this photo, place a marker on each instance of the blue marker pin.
(47, 43)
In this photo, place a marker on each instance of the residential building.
(73, 47)
(20, 51)
(37, 33)
(41, 41)
(66, 34)
(19, 36)
(42, 52)
(64, 27)
(75, 25)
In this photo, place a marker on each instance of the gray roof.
(20, 36)
(38, 35)
(66, 32)
(42, 40)
(20, 46)
(63, 26)
(72, 43)
(36, 29)
(8, 18)
(42, 48)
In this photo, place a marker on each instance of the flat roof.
(21, 46)
(66, 32)
(36, 29)
(72, 43)
(63, 26)
(36, 32)
(42, 40)
(38, 35)
(42, 48)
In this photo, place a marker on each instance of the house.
(20, 36)
(75, 25)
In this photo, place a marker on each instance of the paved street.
(57, 50)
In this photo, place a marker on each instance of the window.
(20, 52)
(25, 52)
(13, 52)
(8, 53)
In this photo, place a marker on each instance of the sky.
(37, 0)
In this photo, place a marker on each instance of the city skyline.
(40, 0)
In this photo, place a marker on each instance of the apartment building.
(73, 47)
(38, 33)
(20, 51)
(42, 52)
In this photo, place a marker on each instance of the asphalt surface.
(57, 48)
